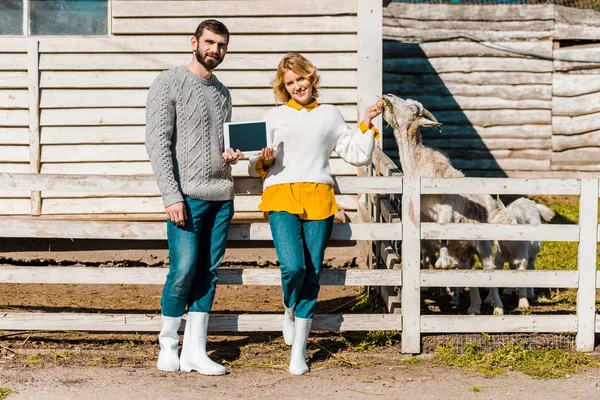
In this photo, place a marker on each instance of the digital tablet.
(249, 136)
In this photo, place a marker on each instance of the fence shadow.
(407, 73)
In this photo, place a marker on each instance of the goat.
(520, 255)
(407, 117)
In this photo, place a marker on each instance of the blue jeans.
(300, 246)
(195, 251)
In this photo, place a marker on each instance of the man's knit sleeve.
(160, 125)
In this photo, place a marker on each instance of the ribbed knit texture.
(184, 136)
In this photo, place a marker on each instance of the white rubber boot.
(288, 326)
(193, 351)
(168, 338)
(298, 359)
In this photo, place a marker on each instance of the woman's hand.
(267, 156)
(373, 111)
(231, 157)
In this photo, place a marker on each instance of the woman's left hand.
(231, 157)
(373, 111)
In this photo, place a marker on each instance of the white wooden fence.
(410, 322)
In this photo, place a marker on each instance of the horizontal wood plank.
(479, 278)
(162, 61)
(129, 205)
(567, 85)
(576, 31)
(19, 168)
(238, 43)
(452, 48)
(471, 78)
(500, 186)
(409, 34)
(472, 12)
(13, 44)
(157, 231)
(14, 136)
(14, 154)
(13, 206)
(13, 80)
(156, 276)
(257, 25)
(506, 92)
(128, 116)
(498, 323)
(564, 125)
(218, 322)
(473, 26)
(552, 233)
(147, 184)
(13, 62)
(564, 142)
(166, 8)
(143, 79)
(477, 143)
(460, 103)
(99, 168)
(464, 65)
(493, 118)
(14, 118)
(573, 106)
(526, 131)
(14, 98)
(76, 98)
(585, 155)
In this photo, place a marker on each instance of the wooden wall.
(92, 91)
(487, 73)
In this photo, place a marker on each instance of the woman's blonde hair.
(300, 65)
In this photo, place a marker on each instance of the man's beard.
(208, 63)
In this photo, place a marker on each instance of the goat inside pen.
(410, 322)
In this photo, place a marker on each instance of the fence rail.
(383, 224)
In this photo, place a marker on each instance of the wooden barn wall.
(487, 73)
(93, 90)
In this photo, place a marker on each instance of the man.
(185, 112)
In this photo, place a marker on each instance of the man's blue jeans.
(300, 246)
(195, 251)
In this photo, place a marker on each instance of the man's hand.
(267, 156)
(231, 157)
(176, 213)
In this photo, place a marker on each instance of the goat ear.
(428, 123)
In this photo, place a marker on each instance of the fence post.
(586, 265)
(33, 72)
(411, 264)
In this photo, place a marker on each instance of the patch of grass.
(62, 356)
(32, 361)
(376, 339)
(4, 392)
(561, 255)
(411, 361)
(476, 389)
(541, 364)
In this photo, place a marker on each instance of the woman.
(298, 188)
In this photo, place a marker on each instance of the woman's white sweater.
(304, 140)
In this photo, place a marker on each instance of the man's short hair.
(214, 26)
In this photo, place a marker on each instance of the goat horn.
(429, 115)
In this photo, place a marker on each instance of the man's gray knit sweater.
(184, 136)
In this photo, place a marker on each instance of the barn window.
(53, 17)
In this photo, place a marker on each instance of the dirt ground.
(76, 365)
(379, 373)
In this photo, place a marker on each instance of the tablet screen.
(249, 137)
